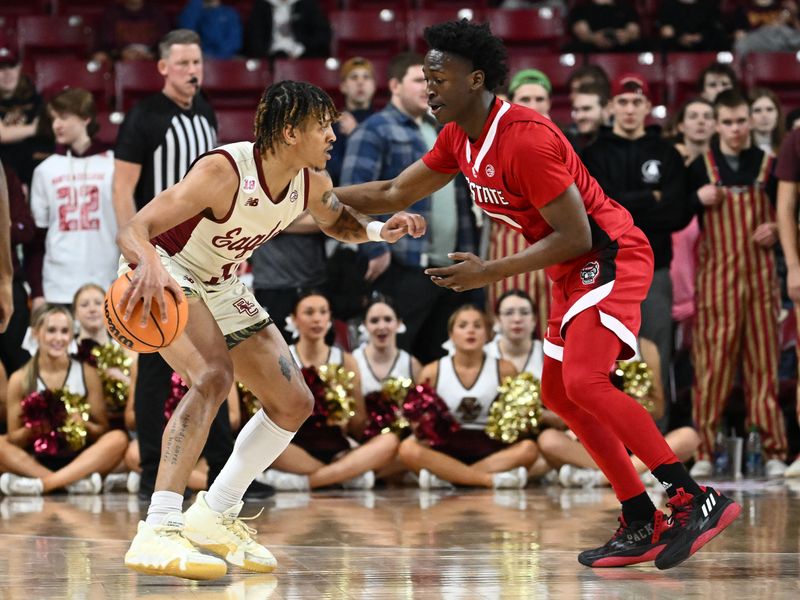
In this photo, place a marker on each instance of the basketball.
(154, 334)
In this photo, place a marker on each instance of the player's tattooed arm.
(346, 224)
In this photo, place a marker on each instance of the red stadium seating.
(25, 7)
(398, 5)
(54, 35)
(419, 19)
(779, 71)
(54, 73)
(133, 80)
(529, 28)
(235, 83)
(109, 127)
(450, 4)
(683, 69)
(646, 64)
(235, 125)
(369, 33)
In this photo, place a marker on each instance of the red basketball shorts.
(614, 281)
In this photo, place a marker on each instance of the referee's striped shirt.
(165, 140)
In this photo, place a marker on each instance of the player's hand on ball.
(403, 223)
(149, 281)
(468, 274)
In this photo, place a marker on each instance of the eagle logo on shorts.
(590, 272)
(469, 410)
(243, 306)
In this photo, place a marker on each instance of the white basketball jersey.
(369, 381)
(470, 406)
(335, 356)
(74, 382)
(214, 249)
(533, 365)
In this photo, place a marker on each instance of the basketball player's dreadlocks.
(289, 103)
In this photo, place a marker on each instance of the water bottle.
(721, 458)
(753, 457)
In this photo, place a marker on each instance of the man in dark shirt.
(645, 174)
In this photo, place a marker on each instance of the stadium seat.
(399, 5)
(319, 71)
(419, 19)
(25, 7)
(54, 73)
(647, 64)
(368, 33)
(109, 127)
(41, 35)
(529, 28)
(557, 67)
(235, 125)
(450, 4)
(778, 71)
(133, 80)
(683, 69)
(8, 32)
(235, 83)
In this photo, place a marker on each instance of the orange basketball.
(154, 334)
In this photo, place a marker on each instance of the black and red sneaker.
(637, 542)
(695, 521)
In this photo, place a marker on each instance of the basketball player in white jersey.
(232, 201)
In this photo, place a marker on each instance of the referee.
(157, 143)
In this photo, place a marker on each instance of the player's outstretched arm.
(393, 195)
(207, 188)
(348, 224)
(571, 237)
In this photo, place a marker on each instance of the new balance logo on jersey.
(251, 202)
(244, 306)
(486, 195)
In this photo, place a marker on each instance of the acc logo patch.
(249, 183)
(590, 272)
(489, 170)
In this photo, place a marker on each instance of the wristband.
(374, 229)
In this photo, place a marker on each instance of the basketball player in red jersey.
(522, 172)
(193, 236)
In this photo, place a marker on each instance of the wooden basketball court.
(406, 544)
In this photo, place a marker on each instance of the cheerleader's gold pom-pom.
(338, 394)
(74, 432)
(518, 409)
(636, 379)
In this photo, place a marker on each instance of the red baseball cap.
(630, 83)
(8, 57)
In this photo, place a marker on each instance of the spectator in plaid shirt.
(380, 148)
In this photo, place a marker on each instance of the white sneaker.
(774, 468)
(286, 482)
(702, 468)
(429, 481)
(571, 476)
(365, 481)
(115, 482)
(226, 535)
(132, 484)
(793, 470)
(515, 479)
(93, 484)
(15, 485)
(164, 550)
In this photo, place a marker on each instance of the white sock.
(258, 444)
(161, 504)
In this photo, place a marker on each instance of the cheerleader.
(51, 368)
(467, 381)
(380, 358)
(323, 455)
(575, 466)
(515, 324)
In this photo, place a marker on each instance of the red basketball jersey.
(520, 163)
